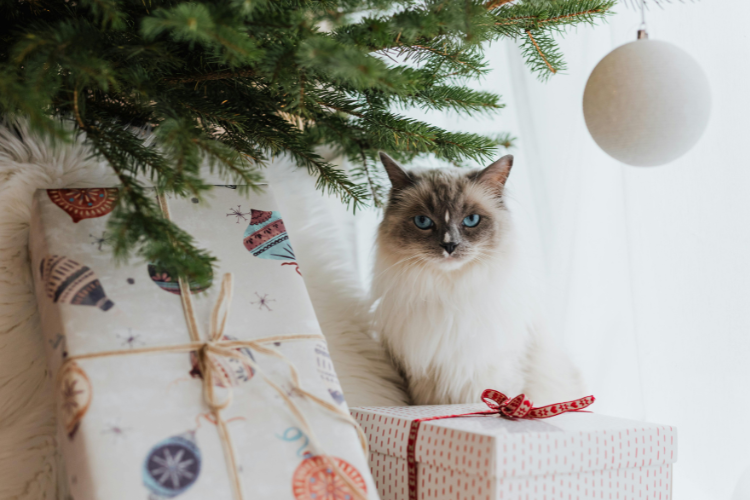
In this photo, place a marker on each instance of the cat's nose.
(449, 247)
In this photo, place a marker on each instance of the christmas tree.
(160, 87)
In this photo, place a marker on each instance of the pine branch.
(494, 4)
(544, 58)
(219, 75)
(162, 88)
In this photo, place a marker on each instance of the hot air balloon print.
(172, 466)
(266, 237)
(234, 370)
(167, 283)
(75, 396)
(84, 203)
(314, 479)
(327, 373)
(68, 282)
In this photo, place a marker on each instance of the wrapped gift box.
(138, 426)
(570, 456)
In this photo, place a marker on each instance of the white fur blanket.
(28, 455)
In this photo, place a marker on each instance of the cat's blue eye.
(423, 222)
(471, 220)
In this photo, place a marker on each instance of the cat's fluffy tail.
(328, 263)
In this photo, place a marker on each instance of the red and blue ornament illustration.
(75, 396)
(315, 479)
(327, 372)
(167, 283)
(172, 466)
(234, 370)
(68, 282)
(266, 237)
(84, 203)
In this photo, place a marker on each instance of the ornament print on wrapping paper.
(75, 397)
(266, 237)
(314, 479)
(68, 282)
(327, 373)
(167, 283)
(84, 203)
(173, 465)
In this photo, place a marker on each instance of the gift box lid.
(491, 446)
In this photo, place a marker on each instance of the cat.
(454, 299)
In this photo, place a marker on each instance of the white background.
(649, 268)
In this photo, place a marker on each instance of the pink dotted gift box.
(574, 456)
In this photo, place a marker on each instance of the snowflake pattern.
(100, 241)
(173, 469)
(116, 430)
(131, 340)
(263, 301)
(238, 213)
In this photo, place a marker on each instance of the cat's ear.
(497, 173)
(398, 176)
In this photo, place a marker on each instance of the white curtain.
(648, 268)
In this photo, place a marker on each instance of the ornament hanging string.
(642, 33)
(517, 408)
(216, 346)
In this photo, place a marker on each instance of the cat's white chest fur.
(456, 333)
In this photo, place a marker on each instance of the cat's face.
(445, 217)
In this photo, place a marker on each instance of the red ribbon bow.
(520, 407)
(500, 404)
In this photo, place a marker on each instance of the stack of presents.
(168, 388)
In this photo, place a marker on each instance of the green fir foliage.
(161, 87)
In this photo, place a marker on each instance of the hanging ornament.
(236, 371)
(314, 479)
(171, 285)
(84, 203)
(68, 282)
(172, 466)
(327, 373)
(647, 102)
(75, 396)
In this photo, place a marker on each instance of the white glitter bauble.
(647, 103)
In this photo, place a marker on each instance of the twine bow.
(216, 346)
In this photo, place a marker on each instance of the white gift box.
(136, 425)
(576, 456)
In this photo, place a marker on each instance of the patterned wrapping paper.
(137, 427)
(575, 456)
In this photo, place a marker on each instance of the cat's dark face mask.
(444, 217)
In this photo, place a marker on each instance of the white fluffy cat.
(455, 302)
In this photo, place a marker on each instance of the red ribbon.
(501, 405)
